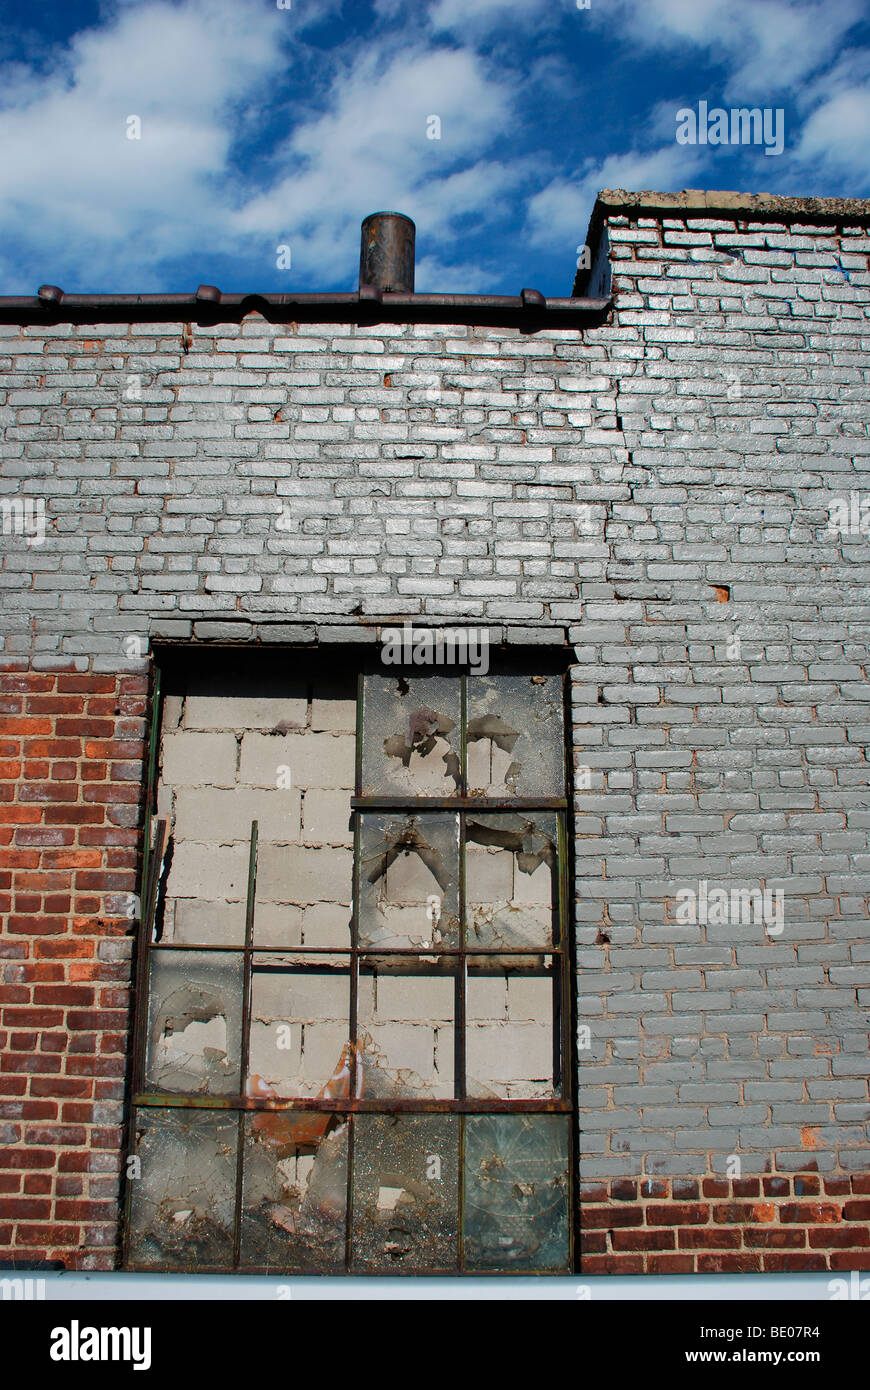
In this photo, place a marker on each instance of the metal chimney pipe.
(386, 258)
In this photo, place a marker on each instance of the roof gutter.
(370, 305)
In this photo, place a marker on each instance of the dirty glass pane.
(194, 1022)
(294, 1200)
(299, 1028)
(511, 880)
(409, 881)
(510, 1028)
(516, 1192)
(405, 1192)
(411, 736)
(515, 736)
(183, 1201)
(405, 1030)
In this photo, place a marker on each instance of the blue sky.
(264, 127)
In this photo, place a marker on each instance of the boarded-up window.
(353, 1018)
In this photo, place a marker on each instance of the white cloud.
(477, 16)
(433, 276)
(768, 47)
(201, 74)
(559, 215)
(837, 135)
(75, 186)
(370, 150)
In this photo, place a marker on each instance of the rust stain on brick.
(763, 1211)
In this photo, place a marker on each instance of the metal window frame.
(563, 1016)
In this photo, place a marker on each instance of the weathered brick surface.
(68, 852)
(657, 488)
(723, 1225)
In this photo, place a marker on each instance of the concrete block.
(333, 713)
(502, 1054)
(209, 872)
(321, 1054)
(489, 874)
(400, 1047)
(314, 760)
(279, 1067)
(191, 759)
(304, 876)
(277, 924)
(224, 817)
(486, 998)
(327, 924)
(530, 999)
(197, 922)
(327, 818)
(244, 712)
(423, 998)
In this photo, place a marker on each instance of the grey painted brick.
(743, 772)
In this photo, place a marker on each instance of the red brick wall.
(788, 1222)
(71, 771)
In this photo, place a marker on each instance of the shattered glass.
(416, 871)
(406, 1032)
(517, 1192)
(294, 1195)
(409, 881)
(515, 736)
(406, 1193)
(411, 736)
(299, 1028)
(510, 1033)
(194, 1022)
(183, 1204)
(511, 880)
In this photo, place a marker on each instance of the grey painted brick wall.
(656, 490)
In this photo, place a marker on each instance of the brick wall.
(69, 809)
(725, 1225)
(654, 490)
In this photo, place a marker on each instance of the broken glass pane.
(299, 1027)
(510, 1028)
(294, 1199)
(182, 1203)
(511, 880)
(405, 1030)
(411, 736)
(516, 1192)
(515, 736)
(405, 1193)
(194, 1022)
(409, 881)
